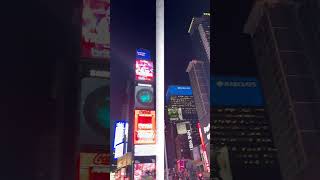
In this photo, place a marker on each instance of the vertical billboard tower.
(94, 103)
(144, 125)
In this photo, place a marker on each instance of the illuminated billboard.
(144, 70)
(145, 171)
(174, 90)
(175, 114)
(144, 127)
(143, 54)
(94, 112)
(95, 39)
(144, 98)
(120, 136)
(93, 166)
(235, 91)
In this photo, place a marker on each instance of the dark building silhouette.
(285, 40)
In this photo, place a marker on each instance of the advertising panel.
(235, 91)
(145, 150)
(144, 98)
(119, 138)
(145, 171)
(95, 110)
(178, 91)
(143, 54)
(182, 128)
(144, 127)
(175, 114)
(94, 166)
(144, 70)
(124, 160)
(95, 39)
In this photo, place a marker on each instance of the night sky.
(178, 46)
(132, 27)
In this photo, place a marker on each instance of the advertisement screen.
(235, 91)
(145, 171)
(178, 91)
(94, 166)
(95, 39)
(144, 127)
(144, 70)
(175, 114)
(143, 54)
(144, 98)
(95, 110)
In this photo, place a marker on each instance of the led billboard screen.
(143, 54)
(175, 114)
(144, 127)
(93, 166)
(95, 110)
(144, 98)
(178, 91)
(235, 91)
(95, 39)
(144, 70)
(120, 136)
(145, 171)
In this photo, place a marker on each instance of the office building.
(289, 71)
(239, 123)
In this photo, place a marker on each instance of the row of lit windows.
(256, 128)
(256, 156)
(238, 122)
(219, 133)
(256, 149)
(242, 139)
(259, 162)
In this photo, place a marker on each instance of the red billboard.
(144, 127)
(144, 70)
(145, 171)
(95, 36)
(94, 166)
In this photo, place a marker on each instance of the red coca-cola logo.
(101, 159)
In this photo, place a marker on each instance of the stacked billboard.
(94, 100)
(95, 39)
(144, 125)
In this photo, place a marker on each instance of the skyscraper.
(289, 74)
(199, 72)
(239, 123)
(199, 31)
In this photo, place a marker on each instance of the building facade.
(290, 79)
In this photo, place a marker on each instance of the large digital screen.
(178, 91)
(143, 54)
(144, 70)
(145, 171)
(235, 91)
(95, 112)
(94, 166)
(95, 40)
(144, 98)
(120, 136)
(144, 127)
(175, 114)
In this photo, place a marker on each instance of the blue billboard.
(235, 91)
(143, 54)
(178, 91)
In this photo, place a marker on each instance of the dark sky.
(178, 47)
(231, 48)
(132, 27)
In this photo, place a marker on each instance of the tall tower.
(289, 74)
(199, 74)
